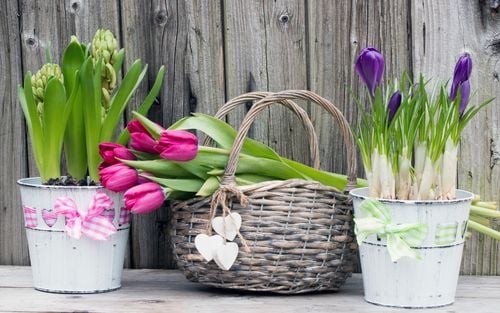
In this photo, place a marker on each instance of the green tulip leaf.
(223, 134)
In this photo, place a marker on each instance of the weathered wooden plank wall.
(215, 50)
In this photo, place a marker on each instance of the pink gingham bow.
(89, 223)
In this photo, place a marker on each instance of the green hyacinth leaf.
(146, 104)
(119, 101)
(27, 100)
(90, 86)
(72, 60)
(54, 126)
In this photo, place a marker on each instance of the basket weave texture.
(299, 233)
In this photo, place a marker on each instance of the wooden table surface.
(168, 291)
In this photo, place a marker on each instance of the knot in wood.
(160, 17)
(75, 6)
(284, 18)
(494, 5)
(31, 41)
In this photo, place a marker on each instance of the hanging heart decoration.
(228, 226)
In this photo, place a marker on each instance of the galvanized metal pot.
(60, 263)
(410, 283)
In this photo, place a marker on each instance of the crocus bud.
(177, 145)
(464, 95)
(118, 177)
(394, 103)
(463, 69)
(144, 198)
(111, 152)
(143, 142)
(370, 68)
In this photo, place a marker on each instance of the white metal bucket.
(60, 263)
(410, 283)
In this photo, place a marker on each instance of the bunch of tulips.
(141, 194)
(164, 164)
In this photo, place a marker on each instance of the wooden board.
(169, 291)
(13, 247)
(265, 50)
(436, 49)
(185, 37)
(334, 43)
(216, 50)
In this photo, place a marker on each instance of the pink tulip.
(143, 142)
(111, 152)
(118, 177)
(177, 145)
(135, 126)
(144, 198)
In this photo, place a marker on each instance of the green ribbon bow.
(400, 238)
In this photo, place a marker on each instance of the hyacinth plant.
(409, 137)
(78, 104)
(164, 164)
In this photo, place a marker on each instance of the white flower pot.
(60, 263)
(411, 283)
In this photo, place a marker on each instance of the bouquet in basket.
(170, 164)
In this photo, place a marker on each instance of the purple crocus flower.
(464, 95)
(370, 68)
(462, 73)
(394, 103)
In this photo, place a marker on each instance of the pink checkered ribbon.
(89, 223)
(124, 216)
(30, 217)
(109, 214)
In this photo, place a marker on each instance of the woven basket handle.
(294, 107)
(279, 97)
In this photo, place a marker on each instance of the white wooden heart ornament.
(226, 255)
(228, 226)
(207, 245)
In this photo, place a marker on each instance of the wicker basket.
(299, 233)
